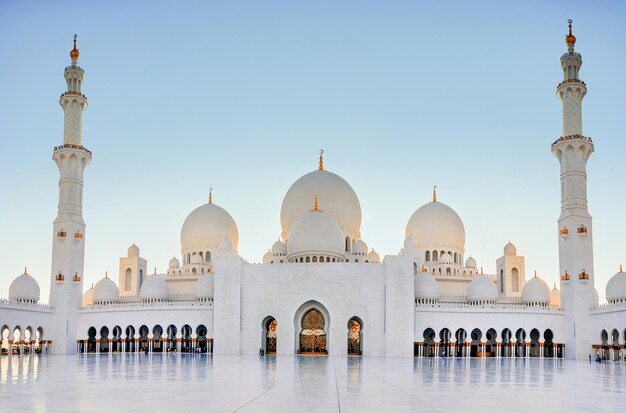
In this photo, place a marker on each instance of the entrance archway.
(270, 335)
(312, 334)
(354, 337)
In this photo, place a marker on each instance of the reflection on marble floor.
(162, 382)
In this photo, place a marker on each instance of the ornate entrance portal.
(270, 337)
(312, 335)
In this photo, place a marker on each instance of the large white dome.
(482, 288)
(336, 196)
(24, 288)
(206, 227)
(154, 288)
(436, 225)
(105, 291)
(316, 233)
(536, 291)
(426, 287)
(616, 287)
(205, 287)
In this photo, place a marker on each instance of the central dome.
(206, 227)
(436, 225)
(316, 233)
(335, 195)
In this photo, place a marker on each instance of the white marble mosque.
(320, 289)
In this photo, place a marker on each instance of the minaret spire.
(574, 231)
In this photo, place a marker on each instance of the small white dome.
(154, 288)
(24, 288)
(196, 259)
(446, 258)
(536, 291)
(410, 242)
(105, 291)
(205, 228)
(360, 247)
(267, 257)
(616, 287)
(437, 225)
(555, 297)
(279, 248)
(470, 263)
(481, 288)
(373, 256)
(88, 297)
(205, 287)
(316, 233)
(133, 250)
(226, 244)
(426, 286)
(510, 249)
(174, 263)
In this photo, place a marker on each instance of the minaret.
(573, 150)
(68, 244)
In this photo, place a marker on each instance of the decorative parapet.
(609, 307)
(6, 303)
(505, 306)
(127, 305)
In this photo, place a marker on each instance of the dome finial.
(26, 271)
(481, 270)
(434, 193)
(620, 268)
(321, 168)
(535, 273)
(570, 39)
(74, 53)
(210, 195)
(316, 207)
(106, 274)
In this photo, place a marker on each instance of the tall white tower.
(573, 150)
(68, 245)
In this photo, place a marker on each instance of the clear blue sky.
(240, 96)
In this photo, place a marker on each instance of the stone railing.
(6, 303)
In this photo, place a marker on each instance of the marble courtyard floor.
(203, 383)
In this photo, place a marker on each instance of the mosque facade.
(320, 289)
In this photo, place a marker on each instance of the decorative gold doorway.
(312, 335)
(270, 337)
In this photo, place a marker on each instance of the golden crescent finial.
(25, 270)
(570, 38)
(321, 168)
(210, 195)
(74, 53)
(434, 193)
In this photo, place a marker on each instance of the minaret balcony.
(72, 146)
(571, 81)
(571, 137)
(72, 93)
